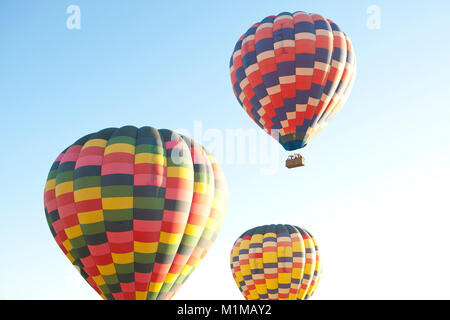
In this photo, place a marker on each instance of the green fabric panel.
(148, 148)
(112, 279)
(118, 215)
(149, 202)
(124, 268)
(52, 174)
(117, 191)
(87, 182)
(169, 249)
(104, 289)
(122, 139)
(189, 240)
(64, 177)
(93, 228)
(144, 258)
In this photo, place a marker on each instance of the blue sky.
(374, 191)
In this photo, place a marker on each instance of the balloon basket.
(295, 161)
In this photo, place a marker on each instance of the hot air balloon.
(276, 262)
(135, 210)
(292, 73)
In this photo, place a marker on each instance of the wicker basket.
(295, 163)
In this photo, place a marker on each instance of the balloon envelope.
(276, 262)
(292, 73)
(135, 210)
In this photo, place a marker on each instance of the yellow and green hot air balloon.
(135, 209)
(276, 262)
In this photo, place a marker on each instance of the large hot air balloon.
(276, 262)
(292, 73)
(135, 210)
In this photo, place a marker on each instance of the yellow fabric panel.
(145, 247)
(186, 269)
(272, 284)
(200, 187)
(123, 258)
(253, 295)
(50, 185)
(107, 270)
(180, 172)
(87, 194)
(155, 286)
(150, 158)
(69, 256)
(117, 203)
(63, 188)
(270, 235)
(199, 259)
(193, 230)
(141, 295)
(67, 245)
(95, 143)
(211, 223)
(270, 257)
(170, 278)
(99, 280)
(73, 232)
(284, 277)
(120, 147)
(216, 200)
(170, 238)
(90, 217)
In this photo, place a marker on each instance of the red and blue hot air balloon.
(292, 73)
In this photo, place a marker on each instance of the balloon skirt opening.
(293, 145)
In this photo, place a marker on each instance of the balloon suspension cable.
(295, 161)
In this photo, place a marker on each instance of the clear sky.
(375, 189)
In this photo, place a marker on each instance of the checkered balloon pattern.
(276, 262)
(135, 210)
(292, 73)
